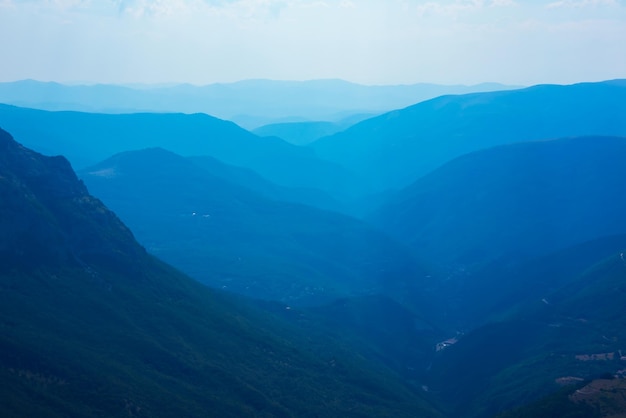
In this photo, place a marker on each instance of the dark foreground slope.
(87, 138)
(513, 202)
(498, 289)
(396, 148)
(599, 398)
(569, 331)
(93, 326)
(230, 237)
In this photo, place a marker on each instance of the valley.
(459, 257)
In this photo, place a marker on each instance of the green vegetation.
(577, 331)
(92, 326)
(557, 404)
(598, 398)
(161, 345)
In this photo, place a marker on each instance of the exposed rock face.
(72, 225)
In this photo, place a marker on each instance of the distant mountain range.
(94, 326)
(395, 149)
(304, 133)
(513, 202)
(87, 138)
(299, 133)
(250, 103)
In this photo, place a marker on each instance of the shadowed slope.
(93, 326)
(515, 201)
(565, 335)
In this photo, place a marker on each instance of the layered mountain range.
(396, 148)
(250, 103)
(88, 138)
(513, 201)
(484, 276)
(231, 237)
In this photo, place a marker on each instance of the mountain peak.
(50, 177)
(72, 225)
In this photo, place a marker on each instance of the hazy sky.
(365, 41)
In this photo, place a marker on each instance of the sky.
(363, 41)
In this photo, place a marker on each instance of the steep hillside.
(395, 149)
(499, 289)
(599, 398)
(87, 138)
(383, 329)
(44, 217)
(513, 202)
(564, 336)
(93, 326)
(230, 237)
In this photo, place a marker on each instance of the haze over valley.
(303, 209)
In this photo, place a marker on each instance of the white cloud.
(503, 3)
(395, 41)
(582, 3)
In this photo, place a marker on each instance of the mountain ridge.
(394, 149)
(250, 102)
(51, 188)
(487, 204)
(87, 138)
